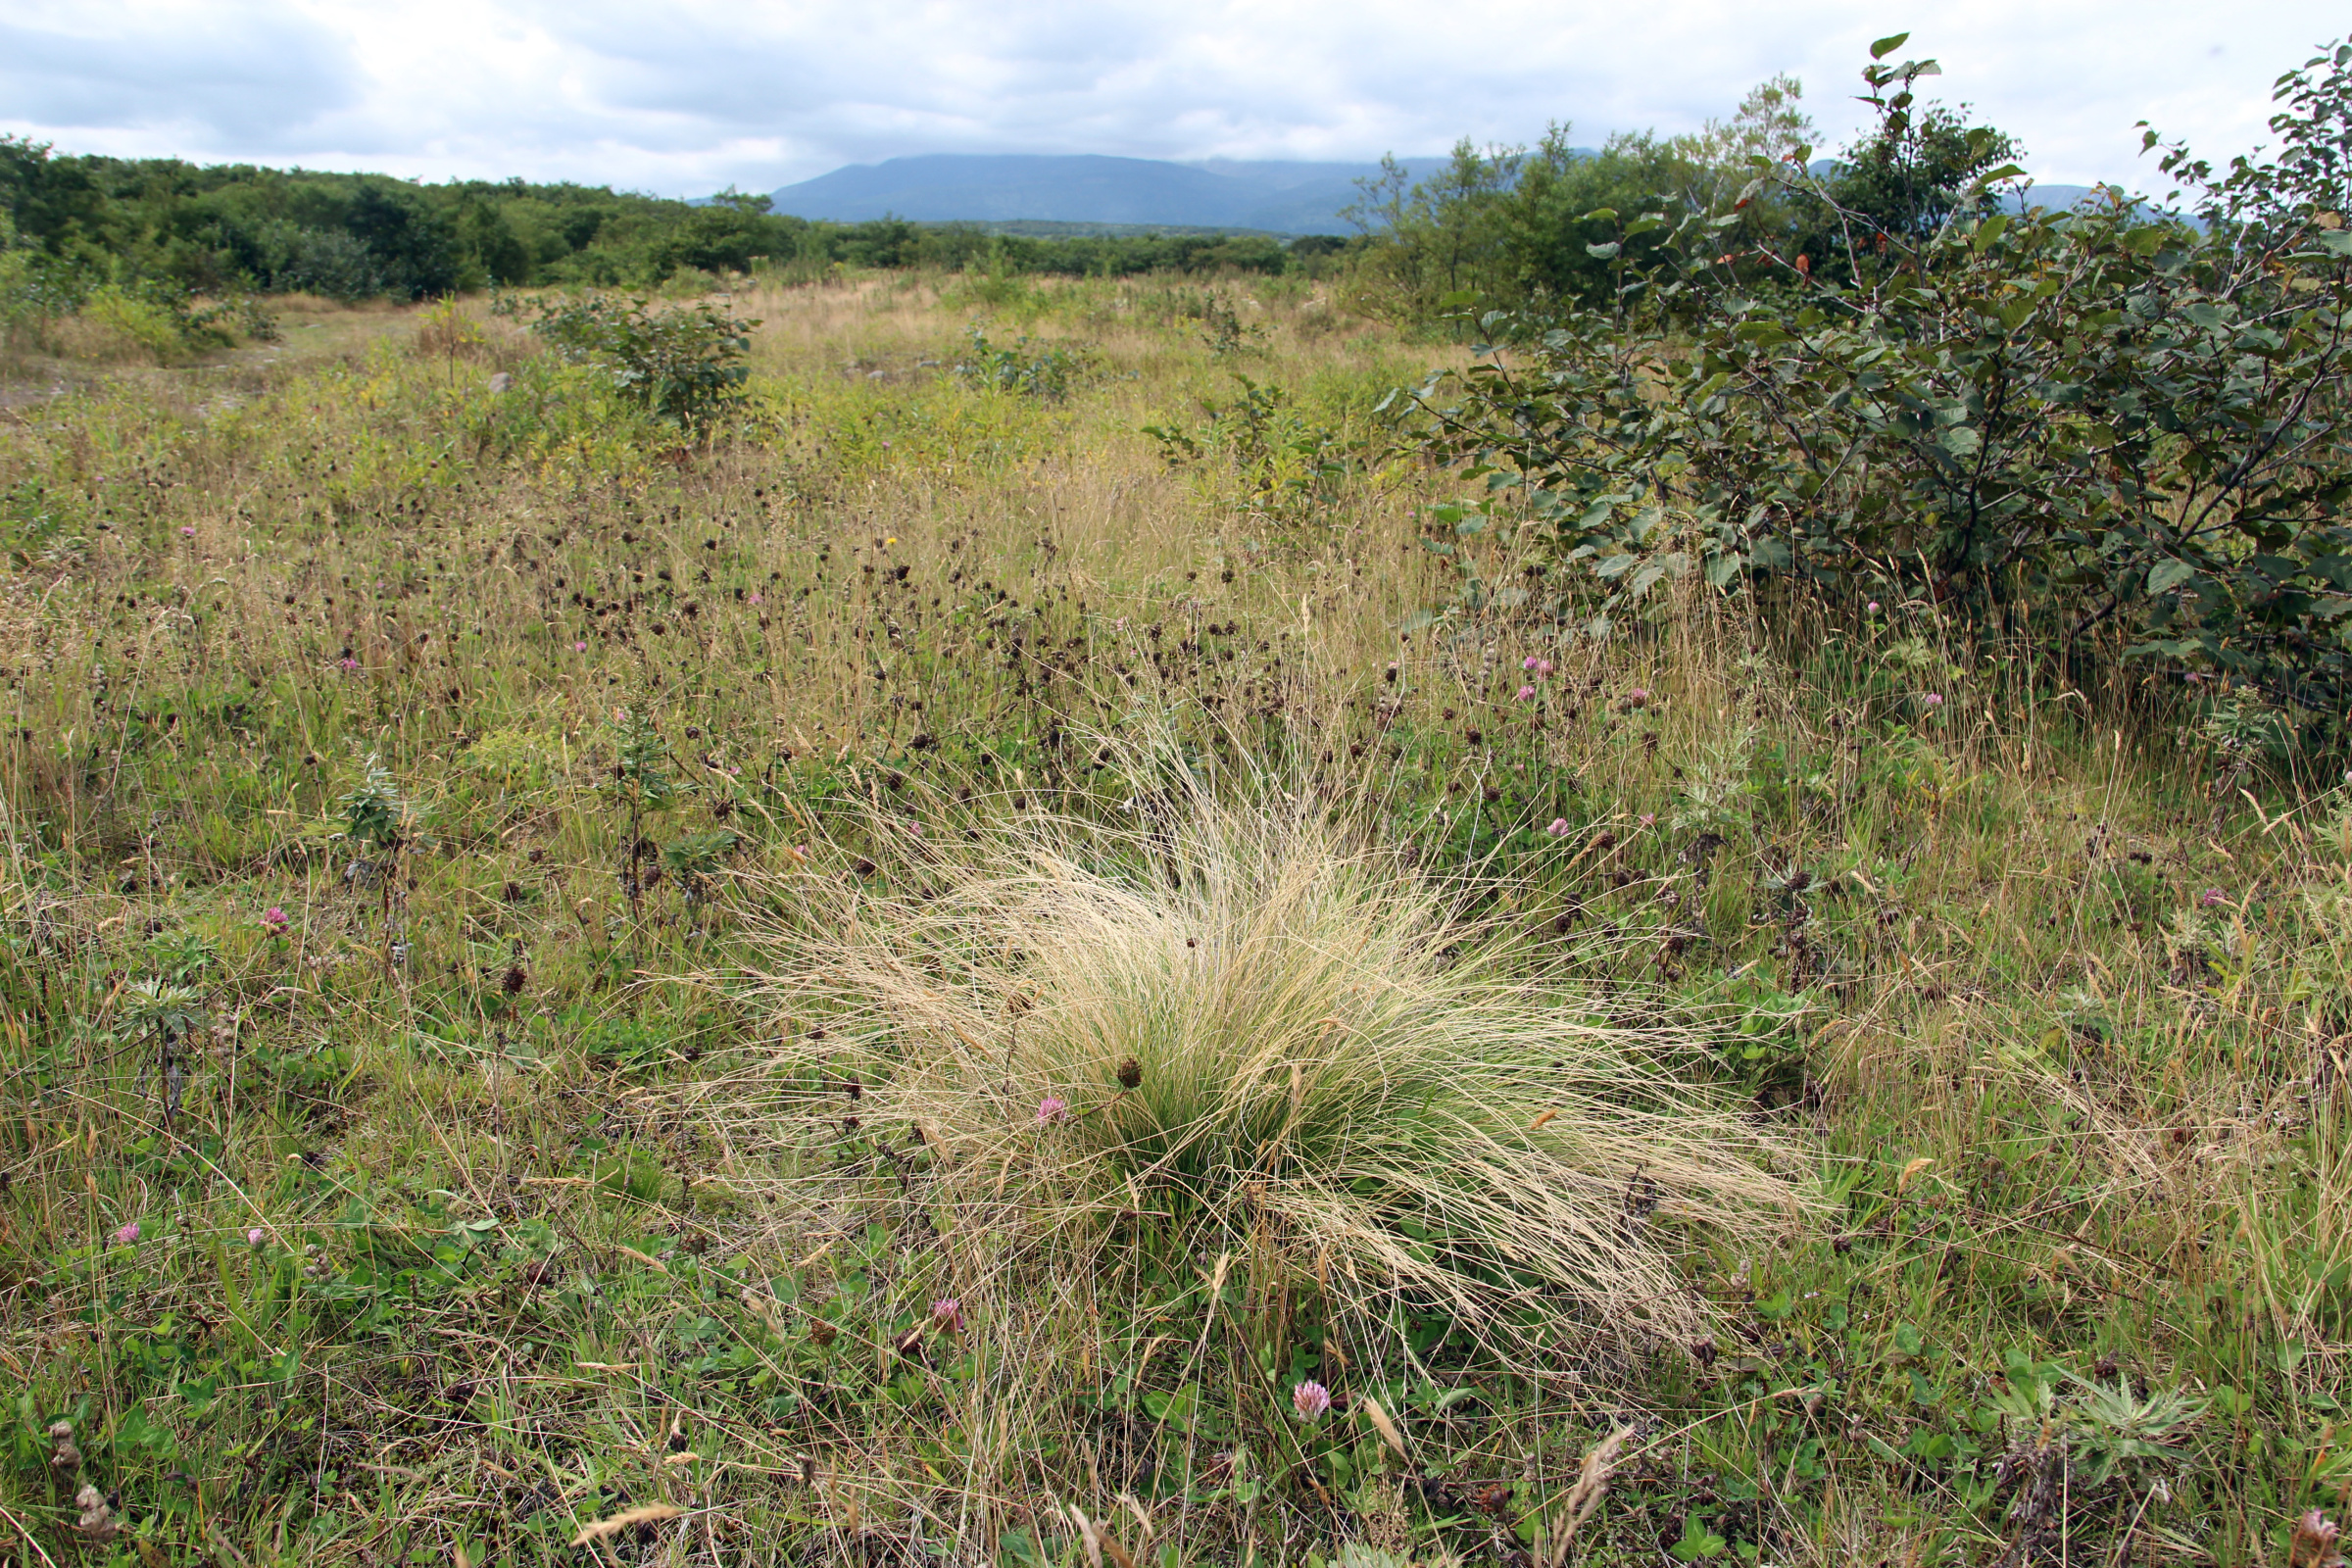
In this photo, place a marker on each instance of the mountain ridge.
(1285, 196)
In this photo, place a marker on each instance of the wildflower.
(1130, 1074)
(1934, 699)
(1311, 1399)
(1639, 696)
(347, 665)
(1558, 828)
(756, 599)
(254, 1236)
(1053, 1109)
(1545, 666)
(1873, 607)
(2211, 897)
(127, 1234)
(579, 648)
(187, 533)
(947, 1315)
(274, 921)
(1650, 819)
(1529, 663)
(1526, 692)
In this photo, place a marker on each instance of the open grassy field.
(441, 823)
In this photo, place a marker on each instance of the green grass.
(552, 1225)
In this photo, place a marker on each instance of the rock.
(501, 383)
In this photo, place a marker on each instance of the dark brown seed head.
(1131, 1073)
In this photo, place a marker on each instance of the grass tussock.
(1244, 1019)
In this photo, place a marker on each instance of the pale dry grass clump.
(1246, 1031)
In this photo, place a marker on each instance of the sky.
(683, 97)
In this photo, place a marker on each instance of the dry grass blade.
(607, 1529)
(1592, 1484)
(1383, 1425)
(1098, 1542)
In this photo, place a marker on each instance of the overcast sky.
(683, 98)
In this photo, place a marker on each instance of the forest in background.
(171, 230)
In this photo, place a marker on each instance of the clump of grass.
(1290, 1046)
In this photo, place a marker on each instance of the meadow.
(458, 826)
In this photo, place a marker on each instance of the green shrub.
(684, 364)
(1043, 370)
(2127, 422)
(126, 326)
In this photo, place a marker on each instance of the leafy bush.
(684, 363)
(2120, 421)
(1043, 370)
(1287, 465)
(117, 323)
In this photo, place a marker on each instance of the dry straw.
(1240, 1021)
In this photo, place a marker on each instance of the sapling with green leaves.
(644, 786)
(378, 820)
(169, 1013)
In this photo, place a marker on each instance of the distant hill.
(1281, 197)
(1043, 193)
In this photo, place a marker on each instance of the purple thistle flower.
(1873, 606)
(1311, 1399)
(254, 1236)
(274, 921)
(127, 1234)
(947, 1315)
(1529, 663)
(2211, 897)
(1526, 692)
(1053, 1109)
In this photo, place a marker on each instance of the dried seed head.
(1130, 1074)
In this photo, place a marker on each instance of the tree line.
(170, 228)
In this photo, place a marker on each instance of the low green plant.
(1287, 465)
(684, 363)
(643, 786)
(1045, 370)
(379, 824)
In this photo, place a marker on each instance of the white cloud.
(684, 96)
